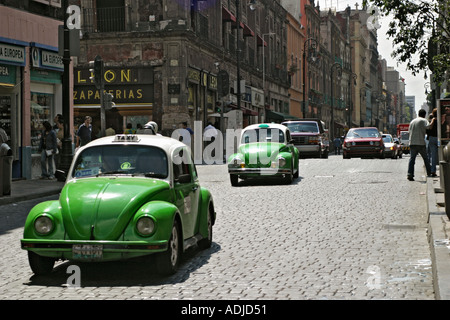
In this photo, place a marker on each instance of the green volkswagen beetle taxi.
(125, 196)
(265, 150)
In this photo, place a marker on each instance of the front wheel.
(234, 179)
(168, 262)
(206, 243)
(40, 265)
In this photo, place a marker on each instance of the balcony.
(105, 19)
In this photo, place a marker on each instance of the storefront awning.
(241, 25)
(227, 16)
(260, 41)
(249, 112)
(279, 116)
(248, 32)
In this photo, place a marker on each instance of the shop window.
(5, 115)
(41, 110)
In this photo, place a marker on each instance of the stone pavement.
(438, 231)
(439, 238)
(22, 190)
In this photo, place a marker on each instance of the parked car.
(392, 148)
(265, 150)
(309, 137)
(363, 142)
(125, 196)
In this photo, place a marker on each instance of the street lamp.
(253, 6)
(354, 76)
(312, 46)
(336, 66)
(66, 150)
(264, 65)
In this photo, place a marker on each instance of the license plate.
(87, 251)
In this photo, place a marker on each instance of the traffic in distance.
(128, 196)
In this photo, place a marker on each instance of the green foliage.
(420, 34)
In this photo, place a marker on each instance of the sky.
(415, 85)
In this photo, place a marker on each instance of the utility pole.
(66, 150)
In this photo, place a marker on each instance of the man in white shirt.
(417, 131)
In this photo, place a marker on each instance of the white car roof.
(266, 126)
(165, 143)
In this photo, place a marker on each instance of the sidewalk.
(438, 238)
(22, 190)
(438, 223)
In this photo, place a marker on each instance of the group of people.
(423, 140)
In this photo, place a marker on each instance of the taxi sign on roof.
(126, 138)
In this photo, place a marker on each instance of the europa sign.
(127, 85)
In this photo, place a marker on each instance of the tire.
(206, 243)
(40, 265)
(296, 174)
(234, 179)
(167, 262)
(289, 177)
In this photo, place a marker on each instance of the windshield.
(363, 133)
(387, 139)
(303, 127)
(263, 135)
(404, 135)
(121, 159)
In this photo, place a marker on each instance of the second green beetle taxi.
(264, 151)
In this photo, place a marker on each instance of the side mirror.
(183, 178)
(61, 175)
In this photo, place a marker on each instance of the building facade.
(30, 78)
(165, 56)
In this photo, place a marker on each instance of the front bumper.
(92, 250)
(362, 151)
(259, 171)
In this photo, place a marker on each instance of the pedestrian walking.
(84, 132)
(129, 129)
(337, 145)
(417, 131)
(110, 131)
(432, 148)
(48, 148)
(185, 126)
(59, 130)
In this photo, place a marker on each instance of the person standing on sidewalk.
(417, 131)
(48, 147)
(84, 133)
(433, 143)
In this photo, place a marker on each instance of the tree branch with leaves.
(420, 34)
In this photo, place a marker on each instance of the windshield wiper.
(111, 172)
(150, 175)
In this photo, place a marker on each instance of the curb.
(438, 239)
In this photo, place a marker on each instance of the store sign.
(13, 54)
(7, 75)
(51, 60)
(257, 98)
(127, 85)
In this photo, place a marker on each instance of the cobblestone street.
(346, 229)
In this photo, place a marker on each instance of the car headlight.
(281, 162)
(43, 225)
(237, 161)
(145, 226)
